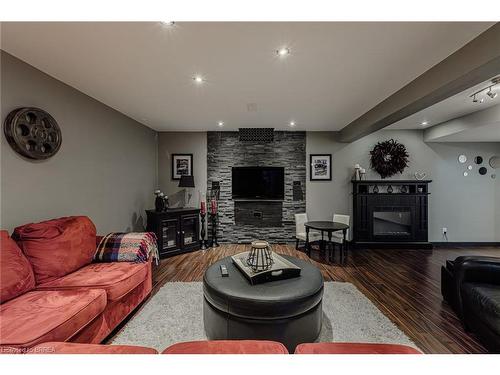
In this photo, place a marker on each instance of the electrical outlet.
(445, 230)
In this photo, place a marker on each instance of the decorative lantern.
(260, 257)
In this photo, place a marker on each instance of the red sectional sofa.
(72, 348)
(227, 347)
(353, 348)
(220, 347)
(193, 347)
(51, 291)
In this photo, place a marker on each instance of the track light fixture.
(490, 93)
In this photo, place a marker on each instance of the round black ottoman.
(288, 311)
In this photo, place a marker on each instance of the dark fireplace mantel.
(390, 213)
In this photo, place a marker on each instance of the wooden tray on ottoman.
(281, 269)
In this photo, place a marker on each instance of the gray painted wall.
(105, 168)
(182, 143)
(497, 206)
(468, 206)
(108, 163)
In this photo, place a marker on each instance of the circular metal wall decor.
(478, 160)
(388, 158)
(32, 133)
(494, 162)
(462, 159)
(483, 171)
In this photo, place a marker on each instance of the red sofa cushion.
(117, 278)
(227, 347)
(41, 316)
(353, 348)
(16, 274)
(73, 348)
(57, 247)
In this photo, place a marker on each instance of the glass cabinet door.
(189, 230)
(170, 234)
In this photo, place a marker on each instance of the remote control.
(223, 271)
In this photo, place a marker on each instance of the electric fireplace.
(392, 222)
(390, 213)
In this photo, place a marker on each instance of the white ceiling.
(335, 73)
(455, 106)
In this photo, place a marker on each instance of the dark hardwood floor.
(403, 284)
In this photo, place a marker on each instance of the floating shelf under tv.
(257, 200)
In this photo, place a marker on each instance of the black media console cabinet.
(391, 213)
(177, 230)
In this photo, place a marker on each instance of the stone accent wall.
(288, 150)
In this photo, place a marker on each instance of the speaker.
(216, 189)
(256, 134)
(298, 194)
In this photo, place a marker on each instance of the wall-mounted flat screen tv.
(258, 182)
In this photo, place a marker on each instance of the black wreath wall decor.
(388, 158)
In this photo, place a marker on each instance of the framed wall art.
(320, 167)
(182, 165)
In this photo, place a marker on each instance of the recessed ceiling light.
(423, 123)
(168, 23)
(220, 124)
(283, 51)
(252, 107)
(292, 123)
(198, 79)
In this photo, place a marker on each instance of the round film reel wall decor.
(32, 133)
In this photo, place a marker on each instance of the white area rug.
(175, 314)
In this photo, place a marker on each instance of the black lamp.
(186, 182)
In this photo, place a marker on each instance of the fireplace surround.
(391, 213)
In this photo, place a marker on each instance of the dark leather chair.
(476, 296)
(450, 285)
